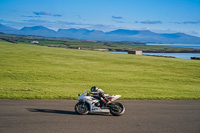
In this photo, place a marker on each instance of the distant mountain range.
(116, 35)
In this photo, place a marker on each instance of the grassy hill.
(37, 72)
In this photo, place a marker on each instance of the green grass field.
(38, 72)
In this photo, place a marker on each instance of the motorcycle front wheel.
(81, 108)
(117, 109)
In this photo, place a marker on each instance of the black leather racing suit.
(101, 95)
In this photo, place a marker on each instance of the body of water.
(177, 55)
(196, 46)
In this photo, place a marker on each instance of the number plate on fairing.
(99, 110)
(95, 109)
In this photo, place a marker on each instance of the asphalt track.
(141, 116)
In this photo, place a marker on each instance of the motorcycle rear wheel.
(117, 109)
(81, 108)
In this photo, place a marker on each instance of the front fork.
(84, 103)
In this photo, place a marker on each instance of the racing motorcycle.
(94, 104)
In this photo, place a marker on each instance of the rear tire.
(81, 108)
(117, 109)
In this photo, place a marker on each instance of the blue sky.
(162, 16)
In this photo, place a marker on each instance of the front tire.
(117, 109)
(81, 108)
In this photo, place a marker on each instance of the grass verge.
(36, 72)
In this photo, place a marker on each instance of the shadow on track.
(63, 112)
(52, 111)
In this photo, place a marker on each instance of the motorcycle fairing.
(91, 101)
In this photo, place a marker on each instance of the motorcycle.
(94, 104)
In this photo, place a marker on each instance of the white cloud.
(42, 13)
(149, 22)
(187, 22)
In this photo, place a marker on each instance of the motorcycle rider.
(97, 91)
